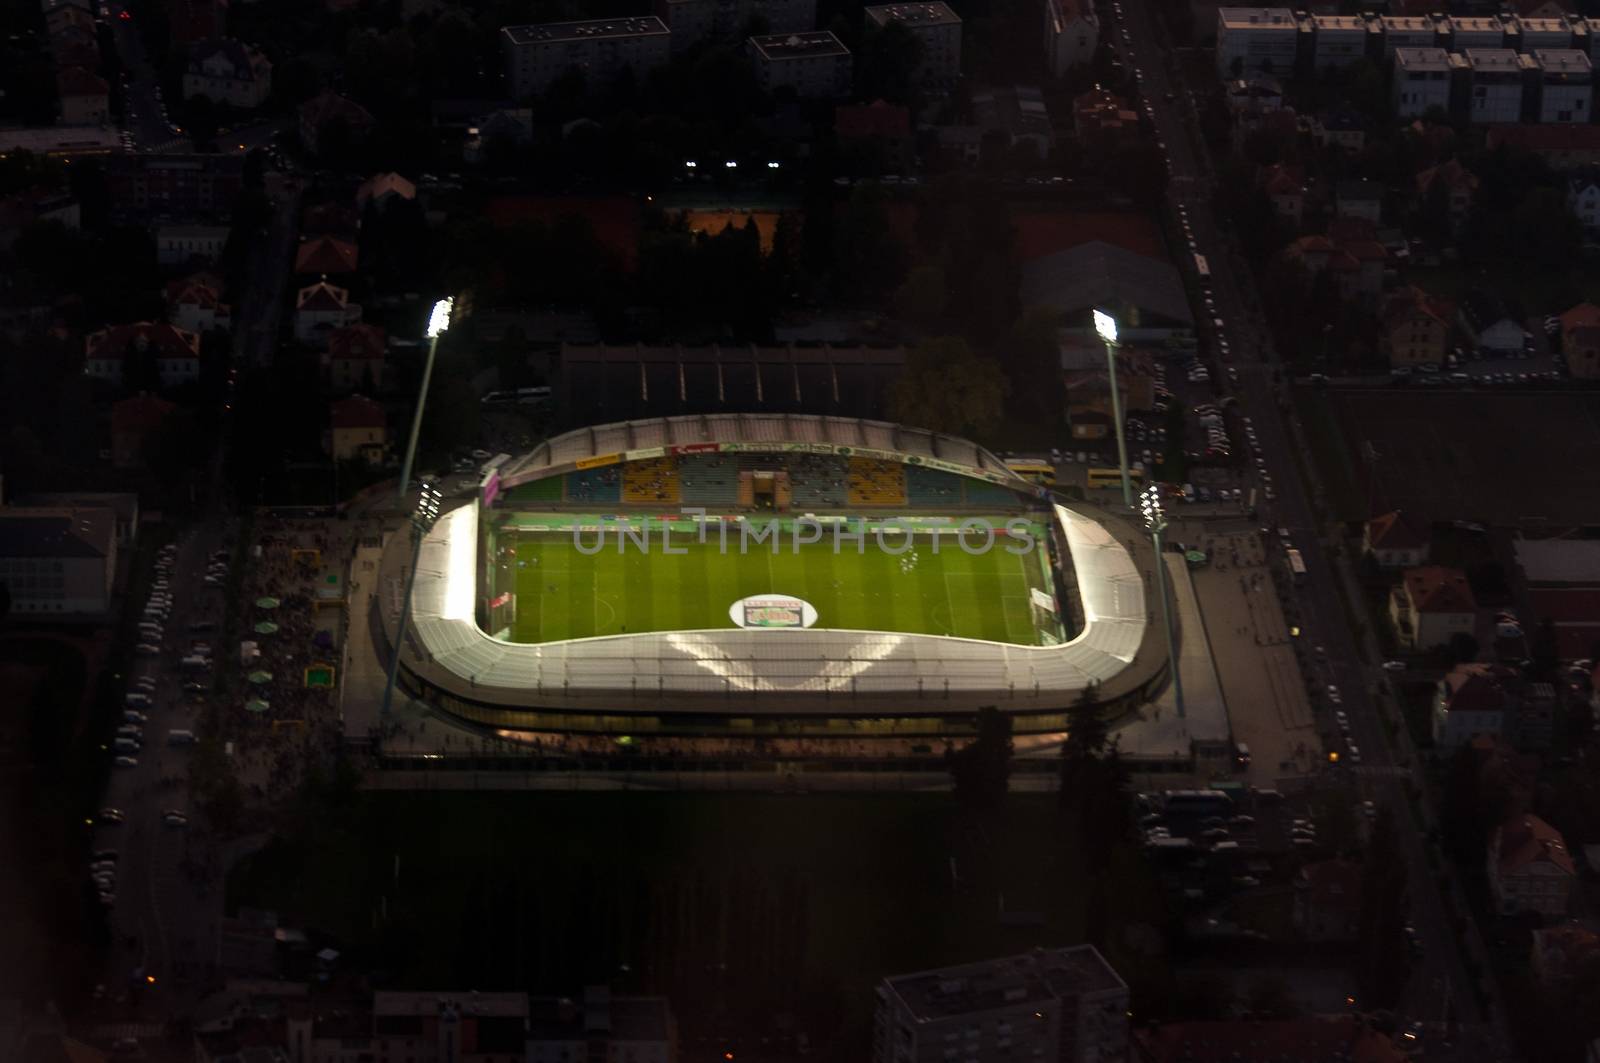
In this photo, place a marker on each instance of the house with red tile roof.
(328, 256)
(320, 308)
(1394, 541)
(1457, 184)
(357, 429)
(195, 304)
(228, 71)
(1350, 252)
(85, 97)
(1285, 185)
(1580, 341)
(1313, 1039)
(1530, 868)
(135, 421)
(382, 187)
(1104, 121)
(176, 352)
(1414, 328)
(356, 355)
(1327, 901)
(1562, 953)
(1472, 701)
(1432, 604)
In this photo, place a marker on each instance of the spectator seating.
(932, 488)
(876, 483)
(651, 482)
(709, 480)
(816, 481)
(984, 493)
(594, 485)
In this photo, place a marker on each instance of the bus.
(1297, 565)
(1039, 472)
(1203, 268)
(1113, 477)
(1196, 802)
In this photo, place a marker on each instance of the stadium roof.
(814, 671)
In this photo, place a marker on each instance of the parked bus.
(1297, 565)
(1039, 472)
(1113, 477)
(1203, 268)
(1202, 802)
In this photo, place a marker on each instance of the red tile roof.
(1437, 589)
(1392, 531)
(1344, 1039)
(357, 341)
(382, 185)
(326, 255)
(1475, 687)
(1452, 173)
(357, 411)
(200, 278)
(1526, 839)
(168, 340)
(322, 296)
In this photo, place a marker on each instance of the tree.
(1269, 998)
(981, 769)
(1094, 782)
(868, 259)
(947, 387)
(887, 63)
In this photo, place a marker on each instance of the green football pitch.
(562, 593)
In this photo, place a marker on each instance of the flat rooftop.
(810, 45)
(1348, 23)
(931, 14)
(432, 1003)
(1493, 61)
(1562, 61)
(1544, 25)
(1031, 979)
(1264, 17)
(1475, 24)
(1406, 23)
(541, 32)
(1422, 60)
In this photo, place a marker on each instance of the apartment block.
(1532, 34)
(937, 27)
(1422, 78)
(1566, 85)
(537, 55)
(815, 65)
(1338, 40)
(1049, 1005)
(1404, 31)
(693, 21)
(1071, 34)
(1467, 31)
(1498, 77)
(1257, 39)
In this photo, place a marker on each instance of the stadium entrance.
(768, 489)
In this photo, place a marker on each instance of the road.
(143, 113)
(1439, 970)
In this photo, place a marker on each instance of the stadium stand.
(546, 491)
(876, 483)
(711, 481)
(932, 488)
(595, 485)
(816, 481)
(650, 482)
(984, 493)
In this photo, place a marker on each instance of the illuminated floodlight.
(439, 320)
(691, 164)
(1105, 326)
(730, 164)
(772, 166)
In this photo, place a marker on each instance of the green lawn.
(562, 593)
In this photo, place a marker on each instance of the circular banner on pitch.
(772, 611)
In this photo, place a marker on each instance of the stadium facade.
(753, 681)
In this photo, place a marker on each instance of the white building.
(176, 353)
(1339, 40)
(1258, 38)
(1496, 86)
(320, 308)
(1469, 31)
(1583, 197)
(1530, 868)
(537, 55)
(1468, 703)
(1533, 34)
(58, 561)
(177, 245)
(1566, 85)
(1071, 34)
(937, 27)
(1422, 79)
(816, 65)
(1405, 31)
(228, 71)
(1050, 1005)
(692, 21)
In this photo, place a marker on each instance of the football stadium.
(771, 575)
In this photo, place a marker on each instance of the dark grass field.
(742, 907)
(1529, 459)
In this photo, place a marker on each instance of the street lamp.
(1155, 521)
(1106, 326)
(438, 324)
(423, 519)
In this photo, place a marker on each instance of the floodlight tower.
(1155, 522)
(438, 324)
(1106, 326)
(423, 519)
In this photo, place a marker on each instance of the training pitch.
(561, 592)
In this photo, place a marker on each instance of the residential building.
(1357, 263)
(1422, 79)
(1317, 1039)
(1071, 34)
(124, 507)
(1565, 85)
(601, 1026)
(58, 561)
(328, 256)
(1256, 40)
(1405, 31)
(936, 27)
(1343, 129)
(1531, 34)
(175, 353)
(357, 428)
(60, 14)
(1087, 382)
(178, 187)
(85, 98)
(194, 304)
(1394, 541)
(135, 421)
(1102, 121)
(1414, 329)
(1457, 184)
(1530, 869)
(1359, 199)
(1563, 147)
(1472, 701)
(1580, 341)
(1490, 326)
(1018, 112)
(1258, 94)
(1062, 1005)
(30, 206)
(1327, 901)
(600, 49)
(319, 309)
(1338, 40)
(1497, 79)
(880, 128)
(1285, 186)
(179, 245)
(356, 355)
(380, 188)
(1431, 605)
(332, 111)
(815, 65)
(229, 72)
(1560, 954)
(1468, 32)
(692, 21)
